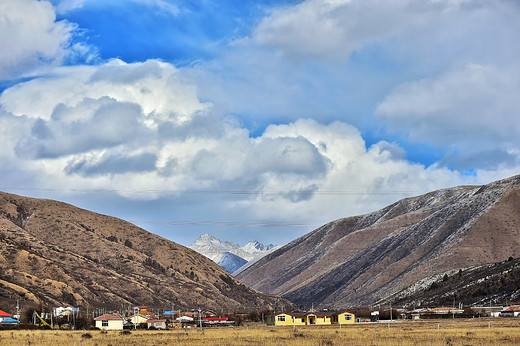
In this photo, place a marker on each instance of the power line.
(225, 223)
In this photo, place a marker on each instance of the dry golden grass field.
(504, 331)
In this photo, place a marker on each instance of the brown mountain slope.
(360, 260)
(55, 253)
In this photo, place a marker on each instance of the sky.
(254, 120)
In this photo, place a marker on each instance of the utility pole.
(200, 320)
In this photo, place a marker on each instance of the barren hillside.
(55, 253)
(360, 260)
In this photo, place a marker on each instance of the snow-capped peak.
(221, 251)
(255, 246)
(207, 241)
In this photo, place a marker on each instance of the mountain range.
(399, 250)
(56, 254)
(228, 255)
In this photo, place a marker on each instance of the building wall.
(343, 318)
(288, 320)
(299, 320)
(158, 325)
(138, 319)
(321, 320)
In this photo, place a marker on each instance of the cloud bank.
(311, 116)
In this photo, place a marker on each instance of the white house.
(110, 322)
(156, 323)
(511, 311)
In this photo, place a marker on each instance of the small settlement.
(144, 319)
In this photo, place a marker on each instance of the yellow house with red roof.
(312, 318)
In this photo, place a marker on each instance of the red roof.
(153, 321)
(215, 319)
(109, 317)
(4, 314)
(512, 308)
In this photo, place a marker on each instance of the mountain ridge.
(55, 253)
(363, 259)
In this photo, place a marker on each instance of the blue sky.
(254, 119)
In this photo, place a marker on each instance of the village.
(144, 317)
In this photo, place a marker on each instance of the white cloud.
(474, 109)
(333, 30)
(156, 86)
(30, 37)
(141, 127)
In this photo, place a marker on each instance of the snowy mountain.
(228, 255)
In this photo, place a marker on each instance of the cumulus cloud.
(333, 30)
(157, 87)
(112, 164)
(472, 109)
(31, 38)
(141, 127)
(151, 130)
(111, 123)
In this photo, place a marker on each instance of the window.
(348, 317)
(281, 318)
(104, 323)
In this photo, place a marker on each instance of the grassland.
(505, 331)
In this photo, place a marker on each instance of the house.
(184, 319)
(6, 318)
(312, 318)
(447, 311)
(4, 315)
(433, 313)
(289, 319)
(511, 311)
(141, 321)
(110, 322)
(156, 323)
(138, 319)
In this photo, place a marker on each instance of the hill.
(496, 283)
(364, 259)
(55, 253)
